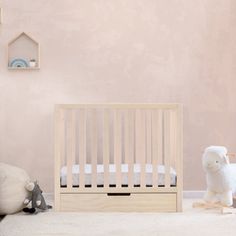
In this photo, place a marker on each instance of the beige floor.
(191, 222)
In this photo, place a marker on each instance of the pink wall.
(119, 51)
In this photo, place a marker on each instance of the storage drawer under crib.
(136, 202)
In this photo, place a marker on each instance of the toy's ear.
(226, 159)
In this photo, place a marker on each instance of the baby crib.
(118, 157)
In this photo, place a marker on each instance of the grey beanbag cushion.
(12, 188)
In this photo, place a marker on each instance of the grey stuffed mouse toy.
(36, 198)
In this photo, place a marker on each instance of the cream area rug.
(190, 223)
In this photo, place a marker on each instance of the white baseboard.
(193, 194)
(48, 196)
(186, 194)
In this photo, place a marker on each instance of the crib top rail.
(120, 105)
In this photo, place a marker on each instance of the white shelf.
(23, 68)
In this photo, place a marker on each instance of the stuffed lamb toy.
(220, 175)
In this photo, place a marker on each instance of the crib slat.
(68, 151)
(117, 146)
(106, 147)
(160, 140)
(155, 131)
(94, 147)
(143, 157)
(70, 146)
(62, 137)
(149, 136)
(82, 146)
(167, 147)
(173, 125)
(157, 143)
(129, 145)
(140, 144)
(131, 159)
(73, 140)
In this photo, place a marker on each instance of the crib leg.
(179, 199)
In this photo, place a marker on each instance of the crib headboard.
(118, 134)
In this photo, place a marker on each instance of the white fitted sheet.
(124, 174)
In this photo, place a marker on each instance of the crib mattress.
(124, 175)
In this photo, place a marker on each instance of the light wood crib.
(118, 157)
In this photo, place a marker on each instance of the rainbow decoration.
(18, 63)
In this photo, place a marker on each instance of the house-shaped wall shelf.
(23, 53)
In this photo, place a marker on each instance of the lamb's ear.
(226, 159)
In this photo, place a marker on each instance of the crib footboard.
(118, 157)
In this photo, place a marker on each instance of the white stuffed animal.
(219, 176)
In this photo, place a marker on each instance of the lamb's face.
(213, 162)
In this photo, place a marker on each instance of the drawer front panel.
(137, 202)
